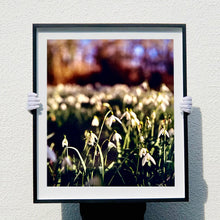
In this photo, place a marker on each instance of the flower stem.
(80, 157)
(103, 125)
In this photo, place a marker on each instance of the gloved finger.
(187, 98)
(33, 99)
(185, 105)
(33, 103)
(32, 107)
(186, 102)
(32, 94)
(186, 109)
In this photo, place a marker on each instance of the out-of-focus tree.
(110, 62)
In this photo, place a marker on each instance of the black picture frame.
(38, 30)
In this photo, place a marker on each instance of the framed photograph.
(110, 127)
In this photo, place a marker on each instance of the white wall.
(203, 52)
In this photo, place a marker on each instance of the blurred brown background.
(110, 61)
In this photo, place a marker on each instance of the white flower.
(133, 115)
(144, 85)
(111, 120)
(58, 98)
(95, 121)
(138, 91)
(163, 132)
(116, 137)
(94, 99)
(91, 137)
(163, 101)
(148, 122)
(51, 154)
(148, 158)
(111, 145)
(140, 106)
(78, 105)
(171, 132)
(64, 142)
(66, 161)
(127, 115)
(70, 100)
(134, 100)
(142, 152)
(127, 99)
(153, 115)
(134, 120)
(164, 88)
(141, 139)
(63, 106)
(60, 87)
(82, 98)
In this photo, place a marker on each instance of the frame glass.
(110, 127)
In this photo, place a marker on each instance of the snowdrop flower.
(111, 145)
(163, 101)
(60, 87)
(134, 100)
(163, 107)
(163, 132)
(146, 157)
(116, 137)
(51, 155)
(127, 115)
(66, 161)
(144, 85)
(148, 122)
(171, 132)
(95, 121)
(98, 106)
(141, 139)
(82, 98)
(91, 137)
(134, 120)
(63, 106)
(127, 99)
(64, 142)
(78, 105)
(164, 88)
(153, 115)
(94, 99)
(148, 100)
(70, 100)
(58, 98)
(140, 106)
(138, 91)
(112, 119)
(142, 152)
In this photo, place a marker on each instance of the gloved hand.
(33, 101)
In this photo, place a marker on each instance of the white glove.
(186, 104)
(33, 102)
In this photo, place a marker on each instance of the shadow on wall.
(70, 211)
(194, 209)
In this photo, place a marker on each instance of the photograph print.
(110, 113)
(110, 126)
